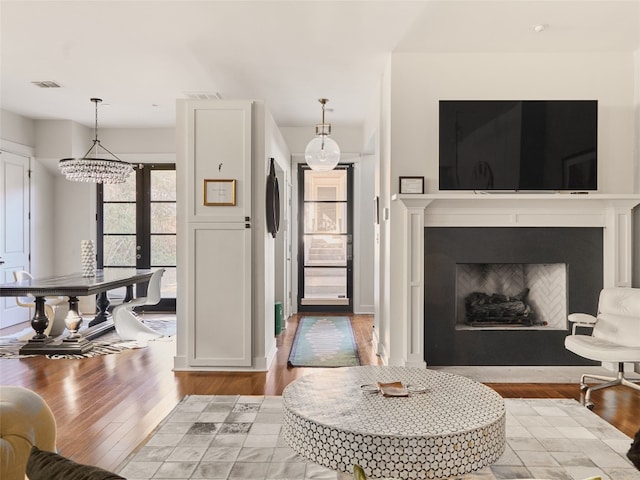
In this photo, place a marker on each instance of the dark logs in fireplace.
(486, 310)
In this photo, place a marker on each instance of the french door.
(325, 240)
(137, 227)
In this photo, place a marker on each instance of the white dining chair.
(128, 325)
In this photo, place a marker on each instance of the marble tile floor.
(239, 437)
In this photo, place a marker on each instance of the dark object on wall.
(278, 314)
(521, 145)
(273, 201)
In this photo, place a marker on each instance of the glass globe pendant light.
(91, 167)
(322, 153)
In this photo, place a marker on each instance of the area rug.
(240, 437)
(106, 344)
(324, 342)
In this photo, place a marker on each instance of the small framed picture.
(411, 184)
(219, 192)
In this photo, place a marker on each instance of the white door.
(14, 230)
(221, 279)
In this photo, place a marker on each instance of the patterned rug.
(324, 342)
(104, 345)
(240, 437)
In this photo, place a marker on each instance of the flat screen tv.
(529, 145)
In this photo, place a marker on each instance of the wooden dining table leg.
(103, 303)
(40, 322)
(73, 320)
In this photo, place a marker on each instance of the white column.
(414, 294)
(413, 280)
(618, 245)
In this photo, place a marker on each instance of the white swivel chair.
(55, 308)
(615, 337)
(128, 326)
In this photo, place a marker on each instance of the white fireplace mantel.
(612, 212)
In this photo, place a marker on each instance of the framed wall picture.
(411, 185)
(219, 192)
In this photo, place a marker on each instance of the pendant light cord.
(96, 101)
(96, 142)
(323, 101)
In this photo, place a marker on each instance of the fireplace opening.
(556, 270)
(511, 296)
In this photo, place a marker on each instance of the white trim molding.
(612, 212)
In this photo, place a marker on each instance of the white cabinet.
(220, 294)
(214, 254)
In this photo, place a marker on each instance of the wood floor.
(106, 406)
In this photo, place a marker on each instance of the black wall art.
(273, 201)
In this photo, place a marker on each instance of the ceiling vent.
(47, 84)
(203, 95)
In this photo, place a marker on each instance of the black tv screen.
(529, 145)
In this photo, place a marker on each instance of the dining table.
(72, 286)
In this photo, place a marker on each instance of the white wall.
(139, 140)
(385, 298)
(277, 148)
(75, 213)
(268, 143)
(372, 134)
(43, 220)
(17, 129)
(57, 139)
(364, 235)
(419, 81)
(636, 252)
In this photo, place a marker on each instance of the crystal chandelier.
(92, 168)
(322, 153)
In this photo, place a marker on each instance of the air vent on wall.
(203, 95)
(47, 84)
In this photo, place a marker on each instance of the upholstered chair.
(614, 338)
(25, 421)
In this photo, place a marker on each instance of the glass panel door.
(137, 226)
(325, 243)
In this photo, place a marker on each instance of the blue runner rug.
(324, 342)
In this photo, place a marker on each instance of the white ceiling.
(140, 56)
